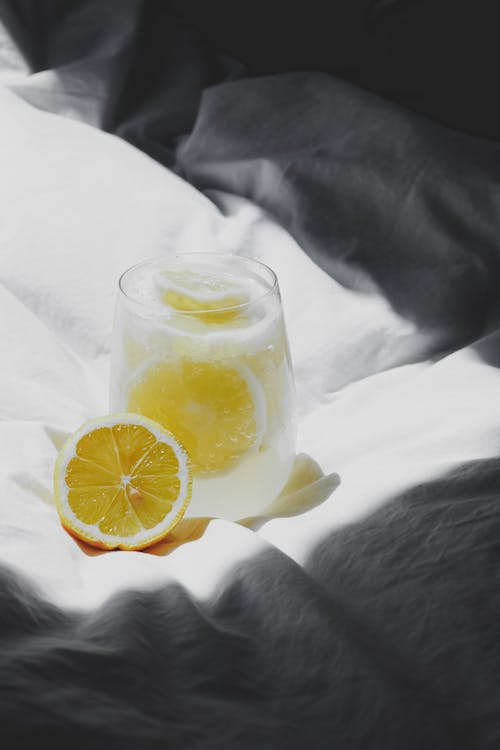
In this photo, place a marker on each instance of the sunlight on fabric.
(200, 568)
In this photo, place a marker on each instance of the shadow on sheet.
(387, 639)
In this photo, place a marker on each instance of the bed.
(360, 611)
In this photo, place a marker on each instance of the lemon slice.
(216, 409)
(121, 481)
(211, 297)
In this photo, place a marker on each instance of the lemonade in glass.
(200, 346)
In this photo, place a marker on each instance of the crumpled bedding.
(361, 610)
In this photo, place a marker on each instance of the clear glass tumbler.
(199, 345)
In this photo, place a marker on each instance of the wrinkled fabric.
(377, 197)
(361, 609)
(130, 67)
(436, 58)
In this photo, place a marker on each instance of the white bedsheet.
(77, 207)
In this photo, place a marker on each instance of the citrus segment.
(160, 460)
(149, 509)
(216, 409)
(122, 481)
(98, 446)
(133, 441)
(120, 520)
(82, 472)
(155, 485)
(91, 503)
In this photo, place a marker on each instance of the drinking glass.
(199, 345)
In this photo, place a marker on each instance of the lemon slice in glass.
(216, 409)
(211, 297)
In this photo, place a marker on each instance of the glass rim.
(273, 288)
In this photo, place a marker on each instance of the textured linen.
(355, 615)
